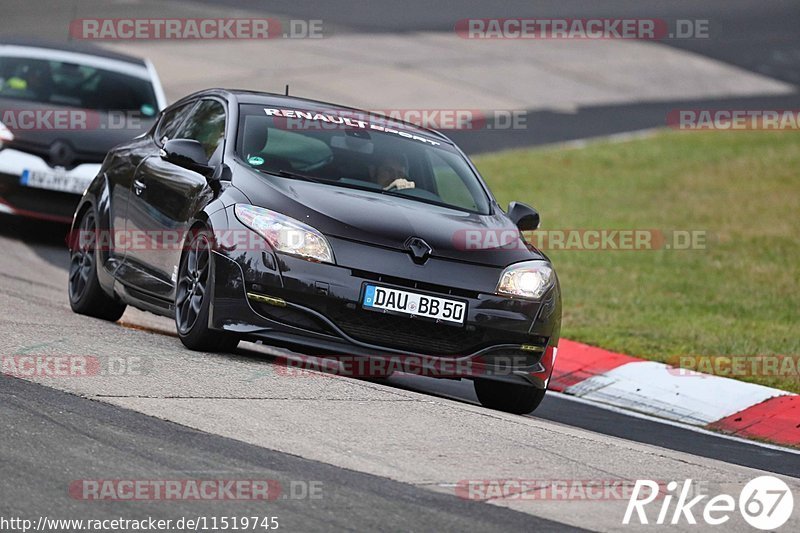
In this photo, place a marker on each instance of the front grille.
(418, 335)
(57, 203)
(79, 157)
(411, 284)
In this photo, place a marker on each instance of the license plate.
(53, 180)
(413, 304)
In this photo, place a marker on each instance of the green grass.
(739, 296)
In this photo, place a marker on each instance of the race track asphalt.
(51, 439)
(373, 446)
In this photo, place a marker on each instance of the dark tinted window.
(74, 85)
(206, 124)
(171, 120)
(352, 149)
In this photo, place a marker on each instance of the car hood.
(67, 136)
(390, 221)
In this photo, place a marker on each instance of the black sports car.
(326, 229)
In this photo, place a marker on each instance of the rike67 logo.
(765, 503)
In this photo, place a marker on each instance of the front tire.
(509, 397)
(193, 298)
(86, 296)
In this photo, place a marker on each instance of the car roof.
(80, 48)
(263, 98)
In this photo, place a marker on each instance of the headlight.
(530, 279)
(5, 134)
(285, 234)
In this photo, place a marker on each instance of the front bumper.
(18, 199)
(260, 295)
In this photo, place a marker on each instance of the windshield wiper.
(399, 194)
(299, 176)
(336, 183)
(393, 192)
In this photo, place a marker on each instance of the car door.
(120, 181)
(165, 198)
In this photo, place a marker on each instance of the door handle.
(138, 187)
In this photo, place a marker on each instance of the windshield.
(358, 151)
(74, 85)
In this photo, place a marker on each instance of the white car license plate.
(54, 180)
(413, 304)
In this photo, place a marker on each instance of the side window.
(206, 124)
(170, 122)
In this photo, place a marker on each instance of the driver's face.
(389, 171)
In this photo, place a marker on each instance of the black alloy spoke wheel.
(86, 296)
(193, 295)
(192, 283)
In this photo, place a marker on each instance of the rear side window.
(206, 124)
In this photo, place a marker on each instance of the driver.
(392, 173)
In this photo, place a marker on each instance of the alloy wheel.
(193, 283)
(82, 258)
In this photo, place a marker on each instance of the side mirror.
(524, 216)
(186, 153)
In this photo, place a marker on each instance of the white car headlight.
(529, 279)
(5, 134)
(285, 234)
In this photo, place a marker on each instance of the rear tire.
(86, 297)
(509, 397)
(193, 295)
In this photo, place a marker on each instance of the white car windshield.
(68, 84)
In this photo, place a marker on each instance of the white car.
(62, 107)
